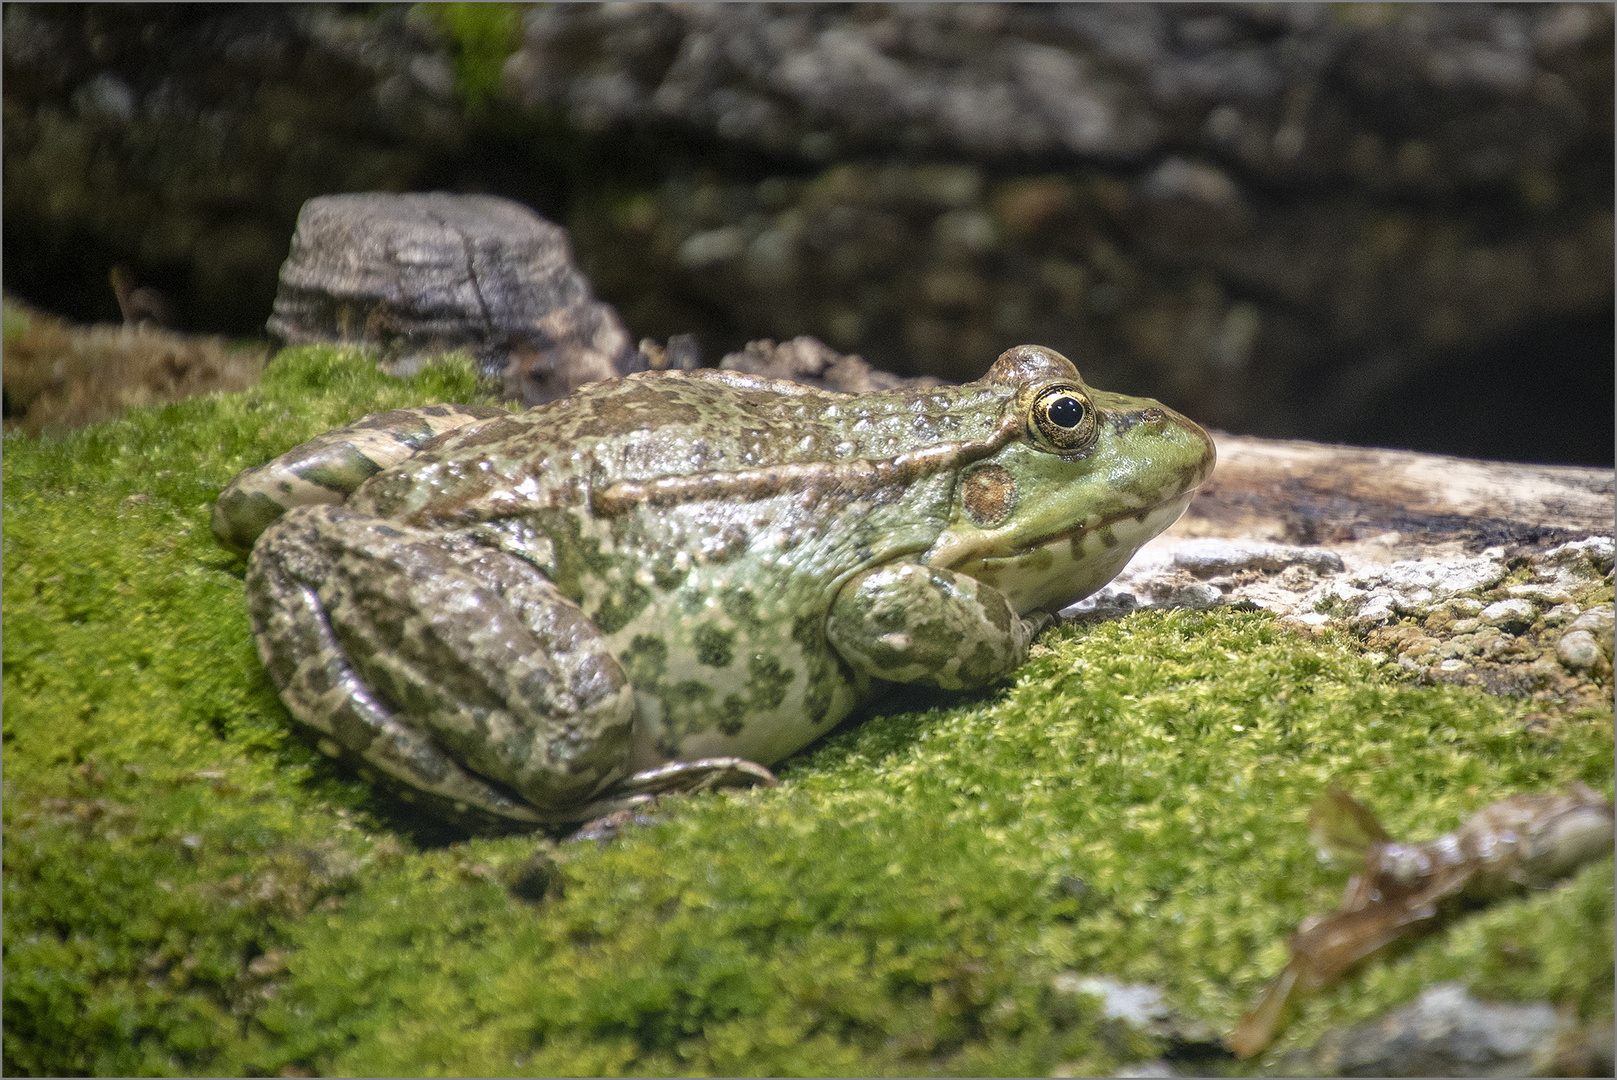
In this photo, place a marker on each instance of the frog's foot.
(635, 795)
(703, 774)
(459, 671)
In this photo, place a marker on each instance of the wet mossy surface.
(191, 888)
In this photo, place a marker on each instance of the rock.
(1215, 194)
(1561, 613)
(1512, 616)
(1598, 621)
(422, 273)
(1444, 1032)
(1112, 82)
(1587, 643)
(1139, 1005)
(1542, 594)
(1584, 558)
(1578, 650)
(808, 360)
(1214, 557)
(1310, 624)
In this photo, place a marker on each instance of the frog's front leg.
(328, 467)
(456, 668)
(912, 623)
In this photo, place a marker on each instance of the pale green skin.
(668, 580)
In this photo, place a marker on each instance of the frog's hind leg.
(328, 467)
(457, 669)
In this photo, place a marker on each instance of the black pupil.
(1066, 412)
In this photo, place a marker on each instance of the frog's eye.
(1064, 416)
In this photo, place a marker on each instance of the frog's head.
(1088, 477)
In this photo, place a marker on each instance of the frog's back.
(698, 436)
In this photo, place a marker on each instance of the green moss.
(189, 888)
(484, 37)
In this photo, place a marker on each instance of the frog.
(673, 580)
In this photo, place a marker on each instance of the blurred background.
(1388, 224)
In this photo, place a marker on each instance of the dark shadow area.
(1544, 395)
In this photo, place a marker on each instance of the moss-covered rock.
(190, 888)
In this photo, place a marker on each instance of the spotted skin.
(671, 579)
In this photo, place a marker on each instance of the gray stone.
(1588, 640)
(1540, 594)
(810, 361)
(422, 273)
(1585, 558)
(1510, 615)
(1139, 1005)
(1444, 1032)
(1598, 620)
(1213, 557)
(1422, 580)
(1578, 650)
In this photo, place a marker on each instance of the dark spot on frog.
(249, 514)
(817, 699)
(808, 630)
(1108, 539)
(572, 554)
(668, 576)
(336, 468)
(989, 494)
(982, 666)
(389, 494)
(715, 646)
(999, 614)
(646, 659)
(767, 682)
(733, 715)
(350, 729)
(934, 641)
(741, 605)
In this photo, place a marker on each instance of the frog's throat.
(1137, 524)
(844, 480)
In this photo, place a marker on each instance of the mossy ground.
(190, 888)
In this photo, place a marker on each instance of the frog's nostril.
(1152, 416)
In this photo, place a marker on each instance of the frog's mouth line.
(1151, 521)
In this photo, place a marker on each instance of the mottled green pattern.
(705, 525)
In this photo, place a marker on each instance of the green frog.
(675, 579)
